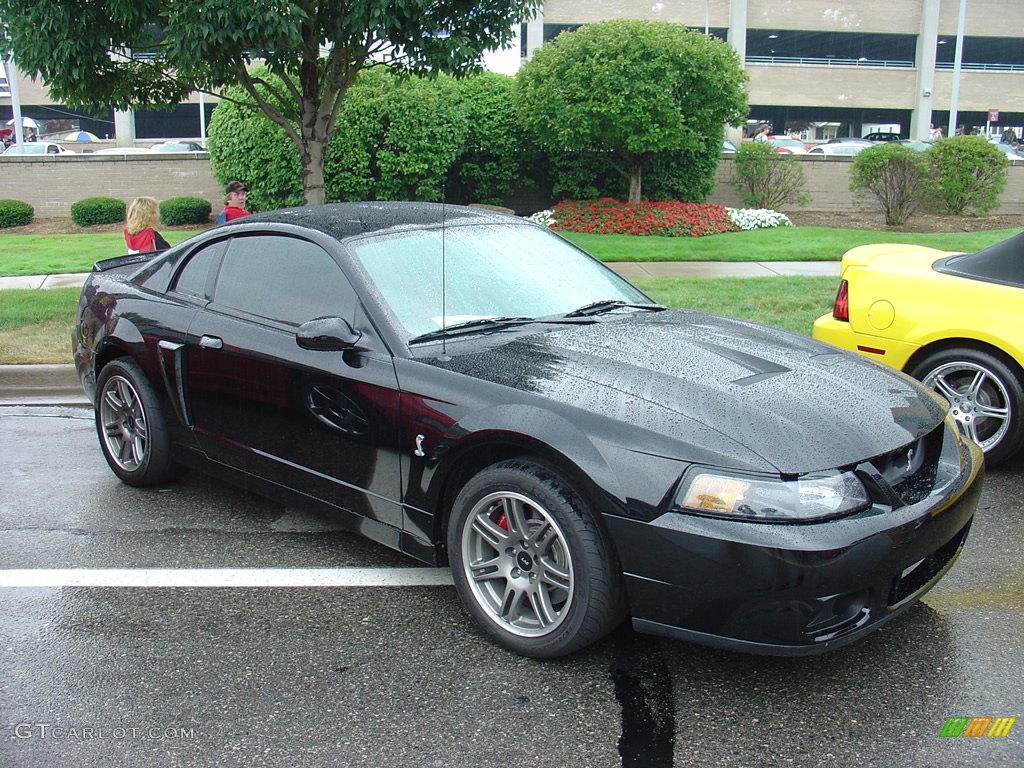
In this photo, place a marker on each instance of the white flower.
(757, 218)
(544, 218)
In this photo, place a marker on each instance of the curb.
(41, 385)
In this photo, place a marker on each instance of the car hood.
(732, 387)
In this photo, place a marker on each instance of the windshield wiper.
(606, 305)
(470, 326)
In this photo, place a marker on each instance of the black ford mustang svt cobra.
(473, 390)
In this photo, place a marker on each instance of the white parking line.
(226, 577)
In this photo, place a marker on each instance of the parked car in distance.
(843, 148)
(1011, 152)
(37, 148)
(785, 144)
(122, 151)
(882, 137)
(728, 147)
(916, 144)
(953, 320)
(475, 391)
(850, 140)
(178, 146)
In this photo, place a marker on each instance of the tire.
(530, 563)
(131, 427)
(986, 398)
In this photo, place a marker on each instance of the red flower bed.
(608, 216)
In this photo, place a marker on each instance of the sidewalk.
(628, 269)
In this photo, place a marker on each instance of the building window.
(850, 48)
(998, 53)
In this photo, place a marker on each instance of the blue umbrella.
(81, 136)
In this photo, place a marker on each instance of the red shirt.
(232, 212)
(141, 242)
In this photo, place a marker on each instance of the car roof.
(1001, 263)
(345, 220)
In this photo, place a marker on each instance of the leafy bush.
(400, 138)
(896, 175)
(245, 145)
(496, 151)
(607, 216)
(185, 210)
(766, 178)
(967, 175)
(14, 213)
(97, 210)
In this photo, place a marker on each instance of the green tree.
(967, 175)
(624, 90)
(129, 53)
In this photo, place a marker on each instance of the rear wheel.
(131, 426)
(986, 398)
(530, 563)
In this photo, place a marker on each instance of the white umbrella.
(26, 122)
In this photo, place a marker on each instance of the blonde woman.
(139, 234)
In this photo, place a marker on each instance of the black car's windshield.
(489, 271)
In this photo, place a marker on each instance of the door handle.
(211, 342)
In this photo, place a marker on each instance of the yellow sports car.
(953, 320)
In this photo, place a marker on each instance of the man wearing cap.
(234, 202)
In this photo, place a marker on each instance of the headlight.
(810, 497)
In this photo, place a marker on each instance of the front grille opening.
(919, 575)
(911, 470)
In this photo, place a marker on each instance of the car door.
(321, 422)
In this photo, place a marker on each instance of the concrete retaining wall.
(52, 184)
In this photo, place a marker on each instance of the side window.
(194, 277)
(283, 279)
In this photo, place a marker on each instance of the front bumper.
(792, 589)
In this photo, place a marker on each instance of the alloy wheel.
(124, 426)
(518, 564)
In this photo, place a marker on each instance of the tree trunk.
(636, 166)
(313, 188)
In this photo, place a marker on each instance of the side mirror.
(329, 334)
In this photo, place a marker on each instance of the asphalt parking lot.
(197, 625)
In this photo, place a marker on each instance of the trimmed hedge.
(97, 210)
(14, 213)
(185, 210)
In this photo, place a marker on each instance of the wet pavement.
(398, 676)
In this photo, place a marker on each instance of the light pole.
(957, 63)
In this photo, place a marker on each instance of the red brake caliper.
(503, 521)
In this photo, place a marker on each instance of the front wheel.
(131, 427)
(530, 563)
(986, 398)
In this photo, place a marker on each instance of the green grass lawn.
(790, 303)
(35, 326)
(58, 254)
(779, 244)
(54, 254)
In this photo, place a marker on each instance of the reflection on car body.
(473, 390)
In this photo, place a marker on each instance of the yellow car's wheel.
(986, 398)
